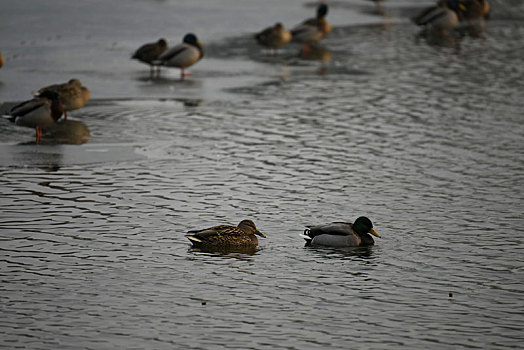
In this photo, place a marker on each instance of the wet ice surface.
(426, 140)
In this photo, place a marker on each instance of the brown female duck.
(148, 53)
(224, 236)
(273, 37)
(73, 95)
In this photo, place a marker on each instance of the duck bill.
(374, 233)
(260, 234)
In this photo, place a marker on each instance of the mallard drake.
(72, 94)
(39, 113)
(223, 236)
(148, 53)
(312, 30)
(442, 17)
(341, 234)
(183, 55)
(274, 37)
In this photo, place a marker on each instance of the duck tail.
(6, 110)
(306, 235)
(194, 239)
(9, 117)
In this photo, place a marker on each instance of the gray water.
(425, 138)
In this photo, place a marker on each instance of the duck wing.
(55, 87)
(38, 112)
(429, 15)
(148, 52)
(334, 228)
(335, 234)
(173, 52)
(264, 35)
(302, 29)
(216, 231)
(311, 22)
(26, 107)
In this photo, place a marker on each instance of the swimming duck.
(442, 17)
(72, 94)
(274, 37)
(39, 113)
(341, 234)
(223, 236)
(148, 53)
(183, 55)
(312, 30)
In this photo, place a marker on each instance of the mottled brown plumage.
(273, 37)
(223, 236)
(73, 95)
(475, 9)
(149, 53)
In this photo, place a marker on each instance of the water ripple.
(426, 141)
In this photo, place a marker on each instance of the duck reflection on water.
(240, 253)
(345, 253)
(437, 40)
(64, 132)
(316, 53)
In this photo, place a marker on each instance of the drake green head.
(363, 225)
(322, 11)
(191, 39)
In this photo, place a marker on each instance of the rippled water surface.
(425, 138)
